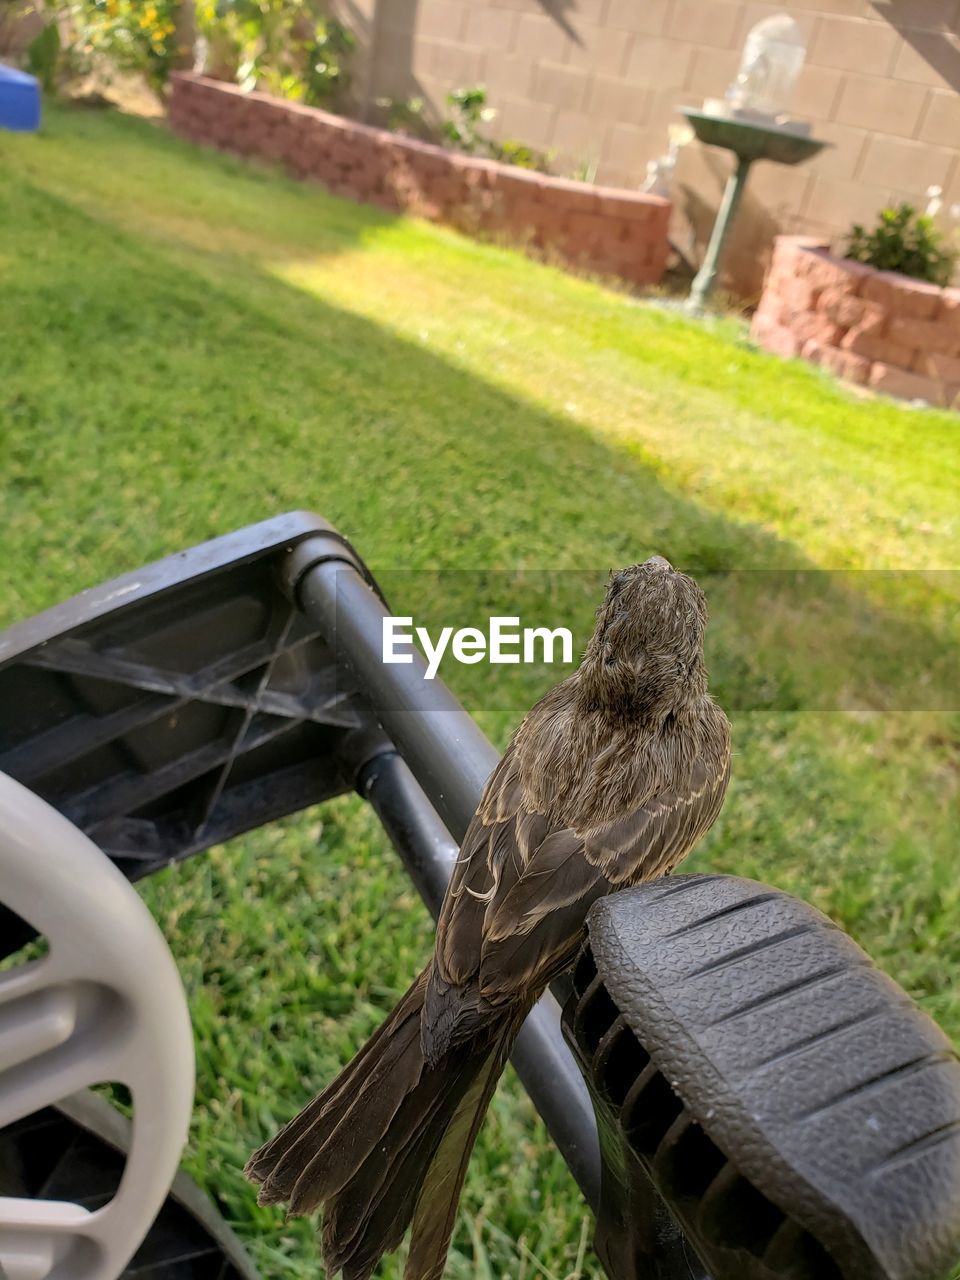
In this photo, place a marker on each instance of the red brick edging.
(602, 229)
(877, 328)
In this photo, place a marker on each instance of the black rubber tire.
(797, 1111)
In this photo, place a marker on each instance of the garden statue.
(659, 179)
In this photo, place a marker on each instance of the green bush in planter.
(905, 241)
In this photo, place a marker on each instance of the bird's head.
(645, 657)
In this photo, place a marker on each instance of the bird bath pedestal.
(749, 141)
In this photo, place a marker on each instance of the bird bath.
(749, 140)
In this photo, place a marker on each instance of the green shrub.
(510, 151)
(285, 47)
(905, 241)
(85, 36)
(44, 57)
(469, 113)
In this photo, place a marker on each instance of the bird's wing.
(501, 832)
(516, 912)
(652, 839)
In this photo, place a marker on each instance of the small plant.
(405, 115)
(586, 169)
(510, 151)
(470, 113)
(464, 129)
(905, 241)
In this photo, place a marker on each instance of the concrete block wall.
(599, 229)
(875, 328)
(598, 81)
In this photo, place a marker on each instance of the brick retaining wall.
(602, 229)
(877, 328)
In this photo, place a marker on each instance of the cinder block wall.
(598, 80)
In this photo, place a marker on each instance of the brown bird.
(611, 779)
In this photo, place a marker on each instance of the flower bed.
(877, 328)
(603, 229)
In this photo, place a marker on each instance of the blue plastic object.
(19, 100)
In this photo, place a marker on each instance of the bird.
(611, 779)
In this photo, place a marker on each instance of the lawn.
(189, 344)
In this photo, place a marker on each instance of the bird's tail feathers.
(436, 1209)
(319, 1149)
(386, 1143)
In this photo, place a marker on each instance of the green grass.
(188, 344)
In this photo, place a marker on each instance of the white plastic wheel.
(105, 1004)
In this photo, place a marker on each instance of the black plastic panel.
(177, 707)
(200, 705)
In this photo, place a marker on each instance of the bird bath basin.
(749, 140)
(780, 143)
